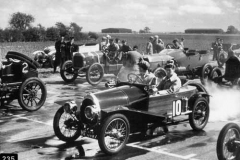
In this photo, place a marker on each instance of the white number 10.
(177, 108)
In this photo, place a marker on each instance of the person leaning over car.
(176, 44)
(147, 76)
(171, 82)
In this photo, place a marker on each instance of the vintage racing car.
(45, 57)
(228, 143)
(19, 80)
(89, 61)
(231, 76)
(190, 63)
(111, 115)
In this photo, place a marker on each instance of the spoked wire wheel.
(200, 114)
(67, 72)
(228, 143)
(32, 94)
(114, 134)
(65, 127)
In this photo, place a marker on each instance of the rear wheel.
(65, 127)
(114, 134)
(200, 114)
(95, 74)
(205, 73)
(32, 94)
(215, 73)
(67, 72)
(226, 145)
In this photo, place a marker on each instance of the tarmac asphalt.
(31, 135)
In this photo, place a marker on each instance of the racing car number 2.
(177, 107)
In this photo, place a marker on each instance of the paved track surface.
(31, 135)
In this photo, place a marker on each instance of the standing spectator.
(149, 48)
(70, 48)
(158, 45)
(215, 49)
(58, 57)
(181, 42)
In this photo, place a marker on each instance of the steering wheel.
(132, 78)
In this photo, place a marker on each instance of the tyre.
(215, 73)
(65, 127)
(205, 73)
(200, 114)
(226, 146)
(15, 55)
(95, 74)
(114, 134)
(222, 58)
(67, 72)
(32, 94)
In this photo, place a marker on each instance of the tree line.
(21, 29)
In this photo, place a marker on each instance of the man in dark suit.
(60, 53)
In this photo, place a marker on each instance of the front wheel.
(205, 73)
(227, 148)
(67, 72)
(114, 134)
(95, 74)
(65, 127)
(200, 114)
(32, 94)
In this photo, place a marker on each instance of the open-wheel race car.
(231, 77)
(89, 62)
(19, 80)
(190, 63)
(228, 143)
(45, 57)
(111, 115)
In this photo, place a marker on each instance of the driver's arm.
(176, 85)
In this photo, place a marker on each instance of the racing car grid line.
(134, 144)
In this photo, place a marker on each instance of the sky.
(158, 15)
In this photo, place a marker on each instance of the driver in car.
(147, 76)
(171, 83)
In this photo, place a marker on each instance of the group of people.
(64, 51)
(137, 65)
(156, 45)
(217, 47)
(116, 47)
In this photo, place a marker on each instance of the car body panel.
(190, 59)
